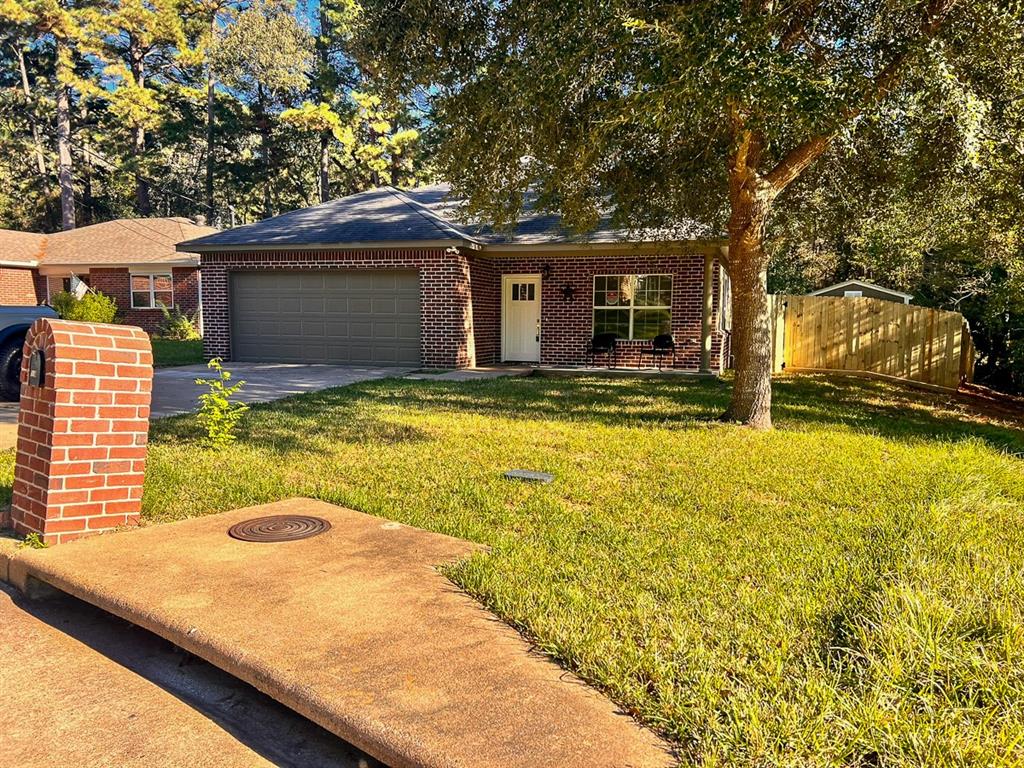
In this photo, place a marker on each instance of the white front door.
(520, 318)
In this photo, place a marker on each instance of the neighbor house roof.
(121, 242)
(387, 216)
(20, 248)
(857, 285)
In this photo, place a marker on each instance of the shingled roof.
(20, 247)
(120, 242)
(387, 216)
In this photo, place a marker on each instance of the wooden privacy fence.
(872, 336)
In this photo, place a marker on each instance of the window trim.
(151, 276)
(632, 307)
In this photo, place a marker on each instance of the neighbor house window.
(633, 306)
(150, 291)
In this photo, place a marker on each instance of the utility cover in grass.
(529, 476)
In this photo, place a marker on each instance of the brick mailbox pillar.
(82, 429)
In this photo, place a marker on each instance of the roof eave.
(864, 284)
(483, 248)
(50, 267)
(201, 248)
(640, 247)
(19, 264)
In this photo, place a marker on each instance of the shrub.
(218, 415)
(178, 325)
(94, 307)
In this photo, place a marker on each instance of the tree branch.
(798, 159)
(794, 30)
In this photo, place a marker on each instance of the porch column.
(708, 310)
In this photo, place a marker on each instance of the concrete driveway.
(175, 390)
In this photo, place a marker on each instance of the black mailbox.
(36, 368)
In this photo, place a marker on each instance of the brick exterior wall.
(567, 326)
(116, 283)
(21, 287)
(460, 300)
(446, 317)
(82, 435)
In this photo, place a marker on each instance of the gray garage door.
(327, 316)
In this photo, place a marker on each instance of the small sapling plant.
(32, 541)
(218, 414)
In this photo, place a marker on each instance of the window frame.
(632, 308)
(151, 276)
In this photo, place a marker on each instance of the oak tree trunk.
(751, 338)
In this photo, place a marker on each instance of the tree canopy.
(190, 107)
(709, 110)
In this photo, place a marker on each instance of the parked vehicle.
(14, 324)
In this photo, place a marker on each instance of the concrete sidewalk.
(83, 688)
(175, 390)
(356, 630)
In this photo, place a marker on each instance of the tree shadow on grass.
(802, 402)
(895, 411)
(311, 422)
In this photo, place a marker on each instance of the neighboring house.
(135, 261)
(860, 288)
(388, 277)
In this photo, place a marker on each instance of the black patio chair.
(662, 346)
(603, 344)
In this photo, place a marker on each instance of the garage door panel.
(360, 281)
(326, 316)
(385, 305)
(360, 329)
(409, 306)
(385, 329)
(337, 329)
(360, 305)
(309, 281)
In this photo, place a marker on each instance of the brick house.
(134, 261)
(390, 277)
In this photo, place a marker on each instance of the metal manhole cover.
(278, 528)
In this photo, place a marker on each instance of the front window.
(633, 306)
(150, 291)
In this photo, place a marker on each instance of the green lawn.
(847, 590)
(170, 352)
